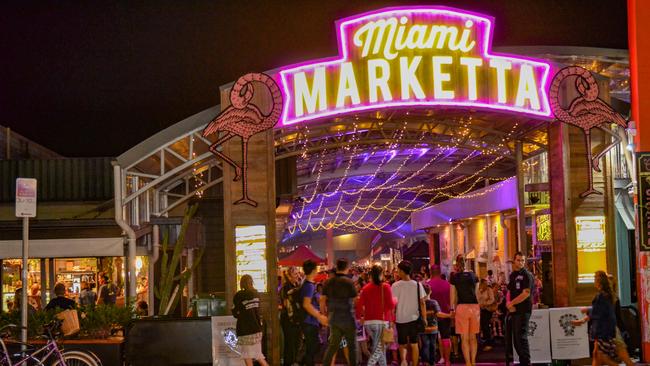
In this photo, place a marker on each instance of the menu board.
(592, 256)
(250, 244)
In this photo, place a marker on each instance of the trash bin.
(208, 305)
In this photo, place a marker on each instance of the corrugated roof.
(71, 179)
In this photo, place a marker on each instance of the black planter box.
(169, 341)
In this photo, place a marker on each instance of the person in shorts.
(467, 310)
(246, 306)
(409, 308)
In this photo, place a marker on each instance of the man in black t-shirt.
(60, 301)
(520, 306)
(337, 300)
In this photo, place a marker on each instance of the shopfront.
(71, 252)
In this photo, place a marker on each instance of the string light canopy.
(371, 171)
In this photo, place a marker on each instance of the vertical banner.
(568, 342)
(643, 227)
(643, 181)
(539, 337)
(225, 351)
(250, 244)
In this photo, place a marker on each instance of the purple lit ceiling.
(371, 171)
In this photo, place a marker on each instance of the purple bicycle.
(49, 354)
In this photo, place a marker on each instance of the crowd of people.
(408, 317)
(105, 294)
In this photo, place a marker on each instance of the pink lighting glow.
(432, 56)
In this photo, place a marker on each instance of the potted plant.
(100, 321)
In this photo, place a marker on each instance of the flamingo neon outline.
(586, 111)
(245, 120)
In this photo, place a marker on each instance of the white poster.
(225, 351)
(539, 337)
(568, 342)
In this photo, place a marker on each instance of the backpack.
(295, 311)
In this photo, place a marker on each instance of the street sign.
(25, 208)
(25, 197)
(643, 182)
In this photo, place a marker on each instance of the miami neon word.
(400, 35)
(424, 56)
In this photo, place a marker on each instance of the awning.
(298, 256)
(64, 248)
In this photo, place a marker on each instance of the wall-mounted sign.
(25, 197)
(543, 224)
(414, 56)
(591, 244)
(250, 243)
(643, 179)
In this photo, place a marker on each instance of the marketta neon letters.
(425, 56)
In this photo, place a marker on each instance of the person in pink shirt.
(440, 291)
(374, 310)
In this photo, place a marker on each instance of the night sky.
(96, 78)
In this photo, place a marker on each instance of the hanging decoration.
(586, 112)
(245, 120)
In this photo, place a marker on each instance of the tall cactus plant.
(165, 290)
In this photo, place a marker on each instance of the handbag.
(70, 322)
(420, 321)
(387, 334)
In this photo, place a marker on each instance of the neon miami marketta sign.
(420, 56)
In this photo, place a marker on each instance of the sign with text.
(539, 337)
(225, 351)
(25, 197)
(414, 56)
(591, 244)
(568, 342)
(250, 242)
(643, 179)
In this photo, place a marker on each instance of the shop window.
(11, 281)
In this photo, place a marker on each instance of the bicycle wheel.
(77, 358)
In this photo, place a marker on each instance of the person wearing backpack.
(311, 311)
(290, 327)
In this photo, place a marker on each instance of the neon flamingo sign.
(414, 56)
